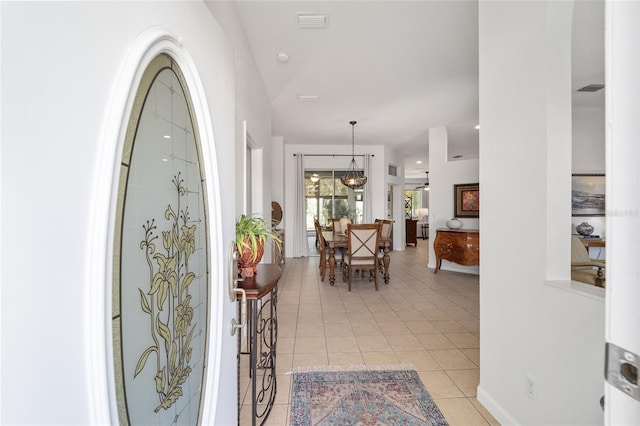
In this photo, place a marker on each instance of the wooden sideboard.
(457, 245)
(411, 232)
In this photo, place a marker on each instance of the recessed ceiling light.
(457, 156)
(282, 57)
(308, 98)
(167, 136)
(419, 162)
(477, 127)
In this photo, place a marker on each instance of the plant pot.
(246, 262)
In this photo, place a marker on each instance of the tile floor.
(421, 318)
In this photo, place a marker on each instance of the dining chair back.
(322, 248)
(362, 250)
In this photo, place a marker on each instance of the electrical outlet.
(530, 386)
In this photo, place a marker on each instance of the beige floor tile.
(373, 359)
(285, 345)
(448, 326)
(460, 412)
(389, 316)
(393, 328)
(421, 360)
(279, 416)
(464, 340)
(473, 355)
(373, 343)
(452, 359)
(310, 360)
(379, 307)
(284, 363)
(483, 411)
(283, 382)
(410, 315)
(343, 329)
(309, 318)
(310, 330)
(435, 315)
(310, 345)
(366, 329)
(345, 358)
(360, 316)
(404, 342)
(342, 344)
(466, 380)
(335, 318)
(435, 341)
(286, 330)
(421, 327)
(439, 385)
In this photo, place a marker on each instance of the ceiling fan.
(424, 187)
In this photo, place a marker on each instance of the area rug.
(361, 397)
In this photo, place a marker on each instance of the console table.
(262, 298)
(457, 245)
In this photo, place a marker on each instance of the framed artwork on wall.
(587, 195)
(466, 197)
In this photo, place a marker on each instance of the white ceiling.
(396, 67)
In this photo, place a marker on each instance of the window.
(327, 198)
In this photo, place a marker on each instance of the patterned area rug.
(362, 397)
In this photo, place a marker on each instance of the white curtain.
(300, 243)
(367, 189)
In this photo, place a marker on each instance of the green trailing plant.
(251, 231)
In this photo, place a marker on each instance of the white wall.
(61, 64)
(532, 321)
(443, 175)
(253, 107)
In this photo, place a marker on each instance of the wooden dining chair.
(362, 251)
(385, 234)
(322, 248)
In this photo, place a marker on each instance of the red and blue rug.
(362, 397)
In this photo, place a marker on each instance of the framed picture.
(587, 195)
(467, 199)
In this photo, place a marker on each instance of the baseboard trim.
(496, 410)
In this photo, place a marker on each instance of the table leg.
(332, 265)
(253, 362)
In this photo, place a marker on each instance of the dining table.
(336, 240)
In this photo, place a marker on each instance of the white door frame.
(622, 65)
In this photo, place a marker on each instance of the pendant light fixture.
(354, 177)
(426, 183)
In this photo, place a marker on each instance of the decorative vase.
(454, 223)
(584, 229)
(246, 262)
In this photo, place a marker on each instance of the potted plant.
(252, 233)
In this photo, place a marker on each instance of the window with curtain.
(328, 198)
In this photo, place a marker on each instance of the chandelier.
(426, 183)
(354, 177)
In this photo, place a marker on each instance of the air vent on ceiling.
(317, 20)
(591, 88)
(393, 170)
(308, 98)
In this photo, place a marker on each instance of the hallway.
(421, 318)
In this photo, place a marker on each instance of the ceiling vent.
(591, 88)
(308, 98)
(308, 21)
